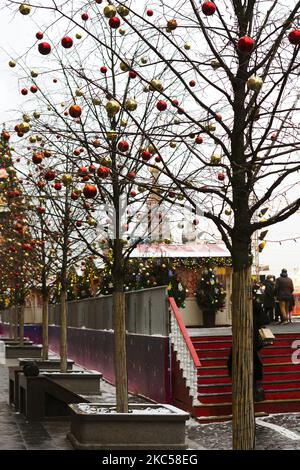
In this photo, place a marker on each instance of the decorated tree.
(225, 90)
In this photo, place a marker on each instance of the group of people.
(278, 299)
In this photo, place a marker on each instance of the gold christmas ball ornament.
(36, 115)
(228, 211)
(26, 118)
(124, 67)
(24, 9)
(67, 179)
(106, 161)
(79, 92)
(123, 10)
(110, 11)
(254, 83)
(130, 104)
(112, 107)
(12, 63)
(34, 73)
(173, 145)
(122, 31)
(24, 127)
(96, 101)
(111, 135)
(78, 36)
(144, 60)
(123, 122)
(210, 127)
(187, 46)
(215, 159)
(32, 139)
(156, 85)
(215, 64)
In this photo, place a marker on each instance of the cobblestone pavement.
(273, 432)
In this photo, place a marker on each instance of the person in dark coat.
(284, 289)
(269, 298)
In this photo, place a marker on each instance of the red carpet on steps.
(281, 377)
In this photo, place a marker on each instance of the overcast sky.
(18, 35)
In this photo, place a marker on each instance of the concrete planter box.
(46, 364)
(120, 431)
(14, 342)
(15, 351)
(85, 383)
(41, 398)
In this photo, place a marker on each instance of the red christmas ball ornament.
(44, 48)
(131, 175)
(103, 172)
(133, 193)
(67, 42)
(78, 223)
(161, 105)
(103, 69)
(180, 111)
(221, 176)
(82, 171)
(74, 196)
(37, 158)
(57, 186)
(84, 16)
(76, 152)
(294, 37)
(245, 45)
(132, 74)
(123, 146)
(192, 83)
(219, 117)
(195, 222)
(158, 159)
(50, 175)
(175, 102)
(114, 22)
(90, 191)
(274, 137)
(39, 35)
(75, 111)
(92, 168)
(150, 12)
(146, 155)
(33, 88)
(199, 140)
(208, 8)
(24, 91)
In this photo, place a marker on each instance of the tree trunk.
(16, 333)
(119, 324)
(21, 324)
(120, 352)
(45, 326)
(63, 330)
(243, 417)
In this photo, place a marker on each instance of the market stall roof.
(199, 250)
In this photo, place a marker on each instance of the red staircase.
(281, 377)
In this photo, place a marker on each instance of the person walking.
(284, 289)
(269, 298)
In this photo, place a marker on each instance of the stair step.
(272, 394)
(221, 418)
(268, 377)
(267, 385)
(267, 406)
(224, 352)
(221, 369)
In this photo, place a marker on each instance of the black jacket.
(284, 288)
(269, 298)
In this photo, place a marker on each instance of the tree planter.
(16, 351)
(15, 342)
(40, 397)
(46, 364)
(142, 428)
(209, 318)
(84, 382)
